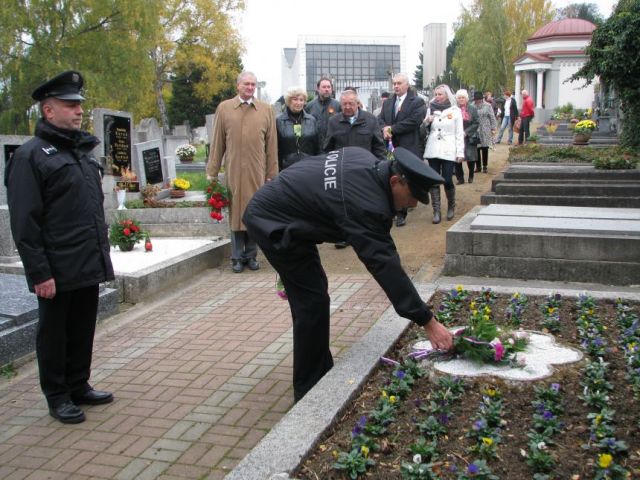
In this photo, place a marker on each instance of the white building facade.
(434, 56)
(554, 53)
(366, 63)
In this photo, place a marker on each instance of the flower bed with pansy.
(583, 422)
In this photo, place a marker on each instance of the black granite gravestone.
(152, 165)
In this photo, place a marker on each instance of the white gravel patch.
(541, 354)
(164, 248)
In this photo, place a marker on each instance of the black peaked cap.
(420, 176)
(66, 86)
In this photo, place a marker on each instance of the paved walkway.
(199, 377)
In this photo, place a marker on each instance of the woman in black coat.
(297, 130)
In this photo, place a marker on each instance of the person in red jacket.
(526, 115)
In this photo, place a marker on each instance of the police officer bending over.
(54, 187)
(343, 195)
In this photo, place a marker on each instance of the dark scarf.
(439, 107)
(295, 117)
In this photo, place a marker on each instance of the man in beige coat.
(244, 136)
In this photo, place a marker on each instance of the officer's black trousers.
(64, 342)
(306, 285)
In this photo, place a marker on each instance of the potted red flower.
(125, 233)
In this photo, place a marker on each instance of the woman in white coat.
(445, 146)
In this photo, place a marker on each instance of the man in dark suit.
(400, 119)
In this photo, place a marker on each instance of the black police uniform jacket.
(54, 191)
(343, 195)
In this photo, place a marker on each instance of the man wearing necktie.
(400, 120)
(244, 136)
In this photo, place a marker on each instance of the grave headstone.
(210, 120)
(181, 131)
(114, 129)
(171, 142)
(148, 130)
(8, 145)
(150, 163)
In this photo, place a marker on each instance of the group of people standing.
(345, 195)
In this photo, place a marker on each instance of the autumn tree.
(126, 50)
(490, 34)
(41, 38)
(197, 32)
(611, 58)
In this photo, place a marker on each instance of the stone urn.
(581, 138)
(188, 159)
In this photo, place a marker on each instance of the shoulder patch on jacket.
(50, 150)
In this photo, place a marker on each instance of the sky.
(268, 26)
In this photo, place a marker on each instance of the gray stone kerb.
(297, 433)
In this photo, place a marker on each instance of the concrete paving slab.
(541, 211)
(581, 226)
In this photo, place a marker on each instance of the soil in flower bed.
(572, 460)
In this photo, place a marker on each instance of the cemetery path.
(203, 372)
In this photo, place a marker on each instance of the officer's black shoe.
(237, 266)
(470, 179)
(253, 264)
(67, 412)
(92, 397)
(341, 245)
(401, 221)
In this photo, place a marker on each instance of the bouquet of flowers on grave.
(185, 151)
(481, 341)
(217, 198)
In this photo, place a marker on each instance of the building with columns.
(554, 53)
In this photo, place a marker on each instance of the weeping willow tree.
(490, 34)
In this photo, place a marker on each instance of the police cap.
(66, 86)
(420, 176)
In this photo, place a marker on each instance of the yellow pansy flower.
(604, 460)
(487, 441)
(365, 451)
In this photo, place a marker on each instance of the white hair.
(402, 76)
(463, 93)
(246, 74)
(524, 92)
(294, 92)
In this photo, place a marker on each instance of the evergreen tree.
(185, 104)
(585, 11)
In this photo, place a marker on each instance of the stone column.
(540, 81)
(517, 94)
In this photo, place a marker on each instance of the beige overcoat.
(245, 143)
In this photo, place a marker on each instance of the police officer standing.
(343, 195)
(54, 190)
